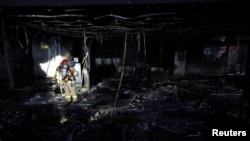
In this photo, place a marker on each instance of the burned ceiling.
(146, 106)
(162, 21)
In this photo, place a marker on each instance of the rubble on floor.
(156, 109)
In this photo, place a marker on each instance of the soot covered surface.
(156, 109)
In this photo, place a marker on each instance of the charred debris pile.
(155, 108)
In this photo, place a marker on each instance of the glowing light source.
(44, 45)
(49, 67)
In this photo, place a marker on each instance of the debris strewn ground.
(155, 109)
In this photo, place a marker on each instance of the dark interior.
(158, 70)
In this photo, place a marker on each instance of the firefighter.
(65, 75)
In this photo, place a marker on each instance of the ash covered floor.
(162, 108)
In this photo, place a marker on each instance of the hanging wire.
(18, 38)
(60, 24)
(145, 48)
(122, 71)
(27, 41)
(139, 42)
